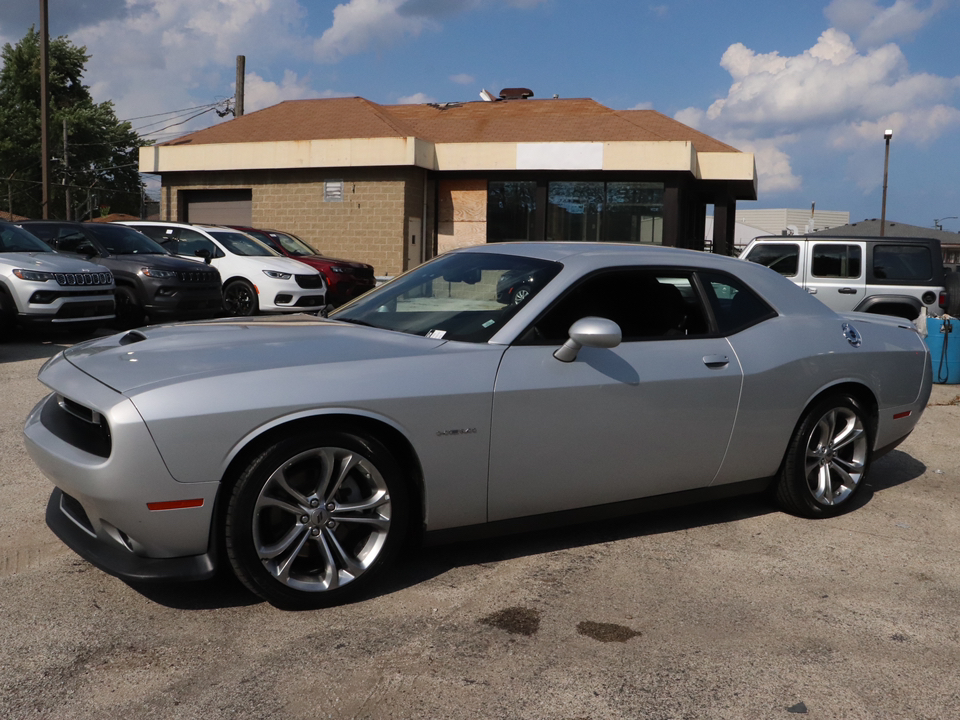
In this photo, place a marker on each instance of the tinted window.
(74, 241)
(241, 244)
(782, 257)
(292, 244)
(123, 240)
(13, 239)
(166, 237)
(191, 242)
(646, 303)
(836, 261)
(902, 262)
(735, 306)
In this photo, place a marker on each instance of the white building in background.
(742, 234)
(794, 221)
(751, 224)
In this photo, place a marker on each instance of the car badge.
(852, 335)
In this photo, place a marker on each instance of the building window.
(634, 212)
(511, 211)
(574, 211)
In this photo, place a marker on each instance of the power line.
(171, 112)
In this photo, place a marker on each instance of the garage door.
(219, 207)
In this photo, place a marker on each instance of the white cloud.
(830, 98)
(463, 79)
(415, 99)
(873, 24)
(259, 93)
(644, 106)
(361, 24)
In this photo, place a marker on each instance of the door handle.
(812, 291)
(847, 291)
(716, 361)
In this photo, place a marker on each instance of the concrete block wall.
(368, 224)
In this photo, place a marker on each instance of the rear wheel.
(316, 518)
(521, 294)
(240, 299)
(827, 459)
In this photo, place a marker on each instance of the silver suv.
(885, 275)
(40, 286)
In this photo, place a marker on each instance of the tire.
(521, 294)
(240, 299)
(827, 459)
(951, 282)
(300, 539)
(130, 313)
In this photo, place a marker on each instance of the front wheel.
(240, 299)
(316, 518)
(130, 313)
(827, 459)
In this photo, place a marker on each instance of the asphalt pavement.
(727, 610)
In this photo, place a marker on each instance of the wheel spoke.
(343, 559)
(848, 435)
(347, 463)
(273, 502)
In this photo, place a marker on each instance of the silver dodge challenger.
(305, 452)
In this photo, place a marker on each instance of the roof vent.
(516, 93)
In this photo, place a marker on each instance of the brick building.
(395, 185)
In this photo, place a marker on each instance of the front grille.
(309, 281)
(310, 301)
(364, 272)
(85, 278)
(196, 276)
(77, 425)
(85, 310)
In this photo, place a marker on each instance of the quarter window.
(782, 257)
(735, 306)
(836, 261)
(902, 262)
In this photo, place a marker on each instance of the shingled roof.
(555, 120)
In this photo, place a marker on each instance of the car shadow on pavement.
(426, 563)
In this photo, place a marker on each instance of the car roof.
(845, 238)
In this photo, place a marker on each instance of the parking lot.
(726, 610)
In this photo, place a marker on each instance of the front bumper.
(91, 442)
(62, 518)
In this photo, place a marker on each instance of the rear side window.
(902, 262)
(735, 306)
(782, 257)
(836, 261)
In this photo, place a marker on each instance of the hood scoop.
(133, 336)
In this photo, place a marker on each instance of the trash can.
(943, 339)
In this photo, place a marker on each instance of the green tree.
(102, 151)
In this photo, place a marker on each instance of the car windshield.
(461, 296)
(14, 239)
(123, 240)
(242, 244)
(293, 245)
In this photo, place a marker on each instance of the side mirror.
(589, 332)
(205, 254)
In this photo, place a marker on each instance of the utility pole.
(66, 174)
(887, 134)
(238, 90)
(44, 109)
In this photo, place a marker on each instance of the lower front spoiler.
(119, 562)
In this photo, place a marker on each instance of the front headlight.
(158, 274)
(276, 275)
(35, 275)
(337, 269)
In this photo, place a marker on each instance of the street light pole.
(887, 134)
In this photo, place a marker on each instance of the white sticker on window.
(436, 334)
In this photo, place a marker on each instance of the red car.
(346, 279)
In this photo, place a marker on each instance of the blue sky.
(807, 86)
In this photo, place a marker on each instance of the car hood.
(163, 354)
(48, 262)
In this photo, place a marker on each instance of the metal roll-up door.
(219, 207)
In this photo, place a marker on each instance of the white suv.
(39, 286)
(256, 278)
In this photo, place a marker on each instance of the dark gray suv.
(152, 284)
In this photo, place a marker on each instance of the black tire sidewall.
(792, 492)
(951, 282)
(254, 304)
(238, 530)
